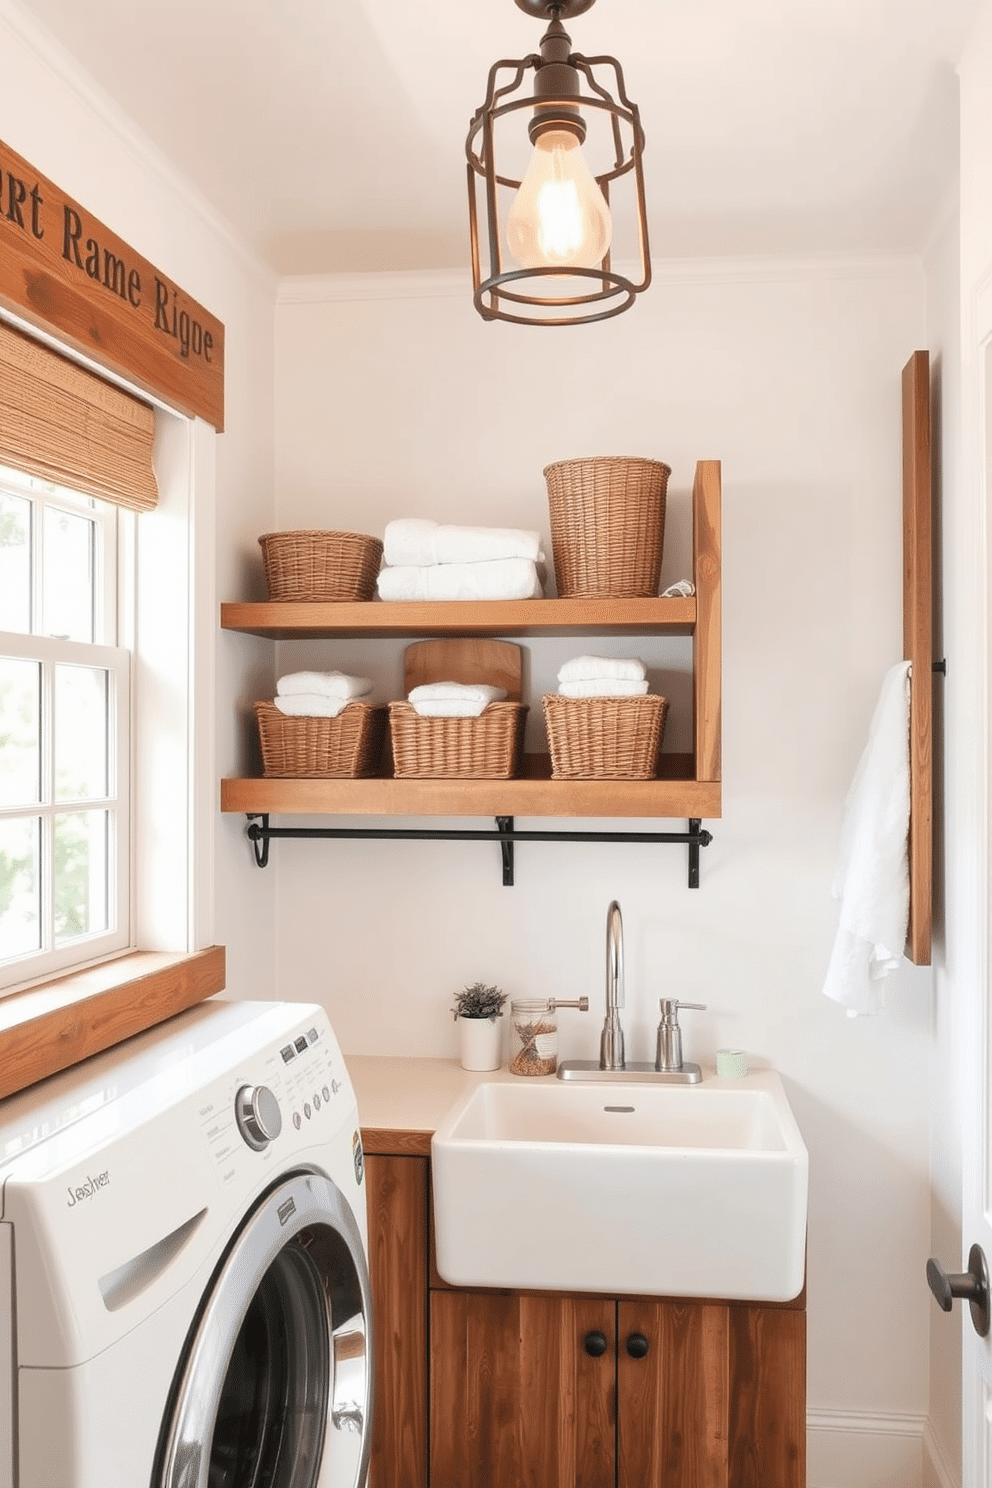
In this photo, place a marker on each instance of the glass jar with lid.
(533, 1036)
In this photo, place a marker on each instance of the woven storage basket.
(311, 566)
(346, 746)
(483, 748)
(605, 738)
(607, 526)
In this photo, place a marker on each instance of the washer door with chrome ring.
(275, 1386)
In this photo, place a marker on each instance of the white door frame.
(976, 1214)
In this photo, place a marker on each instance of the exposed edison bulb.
(559, 217)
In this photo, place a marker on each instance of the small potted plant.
(478, 1011)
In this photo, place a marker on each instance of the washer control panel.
(290, 1087)
(309, 1077)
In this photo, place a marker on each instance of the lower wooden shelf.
(532, 794)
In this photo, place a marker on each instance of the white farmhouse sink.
(691, 1191)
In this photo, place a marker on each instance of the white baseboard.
(937, 1471)
(856, 1449)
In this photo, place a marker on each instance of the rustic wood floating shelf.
(260, 834)
(688, 786)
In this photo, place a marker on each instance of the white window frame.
(105, 653)
(169, 599)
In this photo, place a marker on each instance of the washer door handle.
(971, 1286)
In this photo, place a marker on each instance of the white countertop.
(396, 1093)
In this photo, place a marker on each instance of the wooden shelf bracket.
(260, 834)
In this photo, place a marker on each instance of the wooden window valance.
(70, 275)
(64, 424)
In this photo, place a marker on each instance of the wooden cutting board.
(470, 659)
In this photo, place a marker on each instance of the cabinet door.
(517, 1401)
(397, 1192)
(767, 1371)
(717, 1400)
(672, 1395)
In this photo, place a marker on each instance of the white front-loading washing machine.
(183, 1262)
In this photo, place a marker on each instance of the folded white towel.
(453, 699)
(680, 590)
(327, 684)
(502, 578)
(583, 668)
(872, 875)
(603, 687)
(412, 542)
(312, 704)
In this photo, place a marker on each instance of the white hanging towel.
(871, 879)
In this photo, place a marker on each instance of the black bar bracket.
(260, 834)
(504, 825)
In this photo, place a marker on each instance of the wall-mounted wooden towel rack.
(918, 644)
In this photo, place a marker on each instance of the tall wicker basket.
(607, 526)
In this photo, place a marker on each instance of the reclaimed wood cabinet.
(481, 1389)
(397, 1190)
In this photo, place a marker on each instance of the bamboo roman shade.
(64, 424)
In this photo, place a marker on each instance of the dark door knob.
(596, 1343)
(637, 1345)
(971, 1286)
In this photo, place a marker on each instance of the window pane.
(20, 887)
(80, 874)
(15, 563)
(81, 766)
(20, 732)
(67, 583)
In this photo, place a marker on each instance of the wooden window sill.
(49, 1027)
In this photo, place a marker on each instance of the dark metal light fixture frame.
(558, 100)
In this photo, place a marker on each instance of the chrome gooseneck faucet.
(611, 1055)
(668, 1067)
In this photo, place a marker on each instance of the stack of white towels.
(453, 699)
(319, 694)
(602, 676)
(426, 560)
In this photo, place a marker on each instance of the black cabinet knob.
(596, 1344)
(637, 1345)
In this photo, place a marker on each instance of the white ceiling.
(330, 133)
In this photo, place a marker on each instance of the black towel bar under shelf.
(261, 834)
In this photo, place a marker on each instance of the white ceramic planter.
(480, 1042)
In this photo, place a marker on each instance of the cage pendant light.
(554, 180)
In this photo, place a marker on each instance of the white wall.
(392, 400)
(53, 115)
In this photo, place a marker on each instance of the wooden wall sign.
(66, 273)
